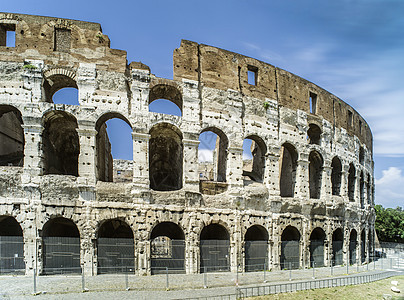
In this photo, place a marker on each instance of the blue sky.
(354, 49)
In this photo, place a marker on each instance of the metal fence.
(337, 251)
(317, 252)
(215, 255)
(12, 254)
(168, 257)
(256, 255)
(115, 255)
(290, 255)
(61, 255)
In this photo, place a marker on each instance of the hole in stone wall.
(67, 87)
(61, 145)
(361, 155)
(9, 227)
(254, 150)
(368, 189)
(336, 167)
(114, 149)
(314, 134)
(350, 118)
(62, 40)
(337, 247)
(252, 73)
(315, 174)
(352, 246)
(313, 103)
(7, 35)
(362, 190)
(165, 158)
(351, 182)
(214, 232)
(288, 166)
(164, 106)
(256, 233)
(165, 99)
(11, 137)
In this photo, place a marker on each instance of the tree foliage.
(390, 224)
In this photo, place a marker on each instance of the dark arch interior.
(214, 232)
(255, 168)
(168, 229)
(351, 182)
(287, 182)
(315, 170)
(337, 235)
(256, 233)
(168, 92)
(55, 83)
(60, 227)
(317, 234)
(11, 137)
(61, 144)
(314, 134)
(166, 158)
(115, 228)
(361, 155)
(353, 236)
(9, 226)
(290, 233)
(362, 190)
(336, 176)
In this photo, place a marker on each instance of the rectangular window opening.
(360, 127)
(62, 39)
(7, 35)
(252, 75)
(350, 117)
(313, 103)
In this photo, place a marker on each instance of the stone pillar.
(33, 164)
(141, 160)
(344, 183)
(365, 192)
(86, 82)
(271, 175)
(326, 181)
(302, 190)
(87, 157)
(234, 169)
(190, 165)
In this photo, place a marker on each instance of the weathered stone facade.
(313, 166)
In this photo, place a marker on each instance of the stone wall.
(162, 185)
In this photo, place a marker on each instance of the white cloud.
(390, 188)
(205, 155)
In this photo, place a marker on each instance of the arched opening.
(368, 191)
(214, 249)
(363, 246)
(68, 95)
(317, 239)
(290, 248)
(115, 247)
(314, 134)
(254, 150)
(352, 246)
(11, 246)
(165, 99)
(361, 155)
(58, 82)
(165, 158)
(362, 190)
(212, 155)
(61, 146)
(61, 247)
(337, 247)
(351, 182)
(11, 137)
(167, 248)
(336, 172)
(288, 166)
(114, 148)
(315, 174)
(256, 248)
(370, 245)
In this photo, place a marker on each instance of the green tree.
(390, 224)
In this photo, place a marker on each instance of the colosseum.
(66, 205)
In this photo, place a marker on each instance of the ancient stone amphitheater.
(65, 205)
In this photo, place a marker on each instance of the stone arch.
(368, 190)
(12, 139)
(115, 246)
(337, 247)
(314, 134)
(165, 157)
(317, 239)
(168, 92)
(167, 248)
(57, 79)
(105, 165)
(363, 245)
(315, 174)
(61, 246)
(361, 155)
(256, 248)
(11, 246)
(288, 166)
(256, 170)
(219, 154)
(362, 189)
(290, 248)
(61, 145)
(214, 248)
(336, 174)
(352, 246)
(351, 182)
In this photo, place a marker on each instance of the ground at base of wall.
(374, 290)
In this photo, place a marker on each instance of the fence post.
(237, 275)
(314, 266)
(332, 273)
(391, 263)
(290, 271)
(34, 281)
(167, 283)
(126, 279)
(205, 280)
(357, 265)
(347, 266)
(265, 271)
(381, 263)
(83, 283)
